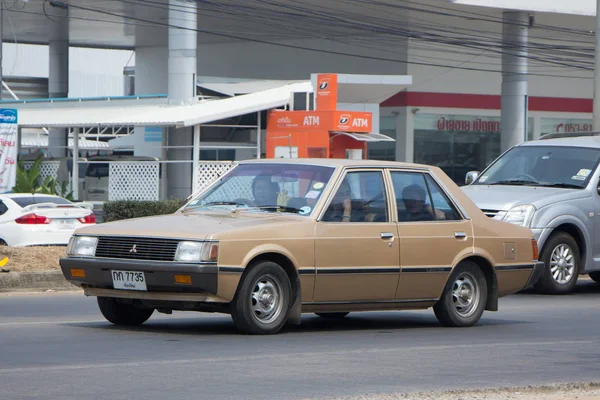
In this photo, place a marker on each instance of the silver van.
(552, 186)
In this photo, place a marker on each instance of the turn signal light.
(185, 279)
(88, 219)
(536, 252)
(33, 219)
(77, 273)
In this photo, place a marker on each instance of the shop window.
(384, 151)
(317, 152)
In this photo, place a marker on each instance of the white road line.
(7, 371)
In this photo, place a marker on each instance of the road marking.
(6, 371)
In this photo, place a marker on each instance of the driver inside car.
(414, 197)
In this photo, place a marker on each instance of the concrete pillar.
(513, 124)
(58, 82)
(182, 51)
(181, 90)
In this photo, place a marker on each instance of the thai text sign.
(8, 149)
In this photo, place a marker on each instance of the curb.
(34, 281)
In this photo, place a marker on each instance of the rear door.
(433, 235)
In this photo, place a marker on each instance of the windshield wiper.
(216, 203)
(563, 185)
(280, 208)
(517, 182)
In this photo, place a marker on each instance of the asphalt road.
(57, 346)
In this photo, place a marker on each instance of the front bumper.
(160, 276)
(538, 270)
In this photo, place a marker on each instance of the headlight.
(197, 252)
(520, 215)
(82, 246)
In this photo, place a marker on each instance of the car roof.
(337, 162)
(576, 141)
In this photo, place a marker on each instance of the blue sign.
(153, 134)
(8, 116)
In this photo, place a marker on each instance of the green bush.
(118, 210)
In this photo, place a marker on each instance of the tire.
(468, 281)
(595, 276)
(566, 269)
(332, 315)
(262, 303)
(123, 314)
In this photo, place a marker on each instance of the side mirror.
(598, 188)
(471, 176)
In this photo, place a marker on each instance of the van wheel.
(562, 261)
(123, 314)
(262, 303)
(595, 276)
(464, 297)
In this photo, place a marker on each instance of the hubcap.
(266, 299)
(562, 264)
(465, 294)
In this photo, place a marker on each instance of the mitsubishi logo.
(133, 249)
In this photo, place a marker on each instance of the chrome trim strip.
(515, 267)
(425, 270)
(238, 270)
(337, 271)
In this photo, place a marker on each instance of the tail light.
(536, 252)
(88, 219)
(33, 219)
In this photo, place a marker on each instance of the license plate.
(66, 223)
(129, 280)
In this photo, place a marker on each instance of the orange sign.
(348, 121)
(327, 92)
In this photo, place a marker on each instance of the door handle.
(387, 235)
(460, 235)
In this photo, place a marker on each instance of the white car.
(40, 219)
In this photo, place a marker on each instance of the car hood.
(196, 225)
(504, 197)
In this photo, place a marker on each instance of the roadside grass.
(29, 259)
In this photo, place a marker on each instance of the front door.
(433, 235)
(356, 243)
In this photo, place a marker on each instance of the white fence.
(209, 171)
(139, 180)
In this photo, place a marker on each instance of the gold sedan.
(276, 238)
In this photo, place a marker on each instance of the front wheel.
(561, 265)
(123, 314)
(464, 297)
(263, 300)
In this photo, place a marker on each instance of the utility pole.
(596, 117)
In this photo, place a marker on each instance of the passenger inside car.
(264, 191)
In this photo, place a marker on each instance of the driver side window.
(359, 198)
(3, 208)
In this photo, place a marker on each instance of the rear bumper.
(538, 270)
(160, 276)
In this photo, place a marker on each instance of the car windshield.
(29, 200)
(551, 166)
(268, 187)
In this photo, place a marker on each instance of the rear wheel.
(332, 315)
(263, 300)
(595, 276)
(123, 314)
(464, 297)
(562, 261)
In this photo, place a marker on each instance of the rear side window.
(29, 200)
(3, 208)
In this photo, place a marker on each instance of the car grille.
(136, 248)
(491, 213)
